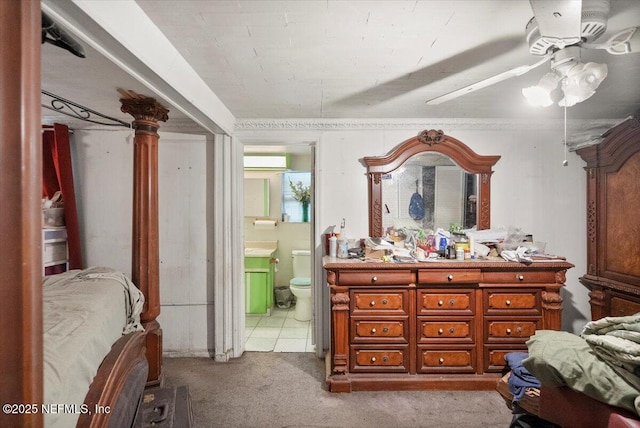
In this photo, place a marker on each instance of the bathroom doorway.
(274, 321)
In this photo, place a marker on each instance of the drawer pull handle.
(440, 303)
(508, 331)
(385, 329)
(385, 358)
(519, 329)
(440, 331)
(374, 279)
(441, 360)
(385, 301)
(373, 331)
(373, 303)
(450, 277)
(508, 302)
(451, 330)
(520, 277)
(373, 359)
(452, 302)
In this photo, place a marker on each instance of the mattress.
(84, 313)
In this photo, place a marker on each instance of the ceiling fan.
(557, 33)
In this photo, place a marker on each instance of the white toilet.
(300, 285)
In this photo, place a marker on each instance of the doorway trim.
(234, 301)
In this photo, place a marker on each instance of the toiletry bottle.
(333, 246)
(343, 248)
(442, 248)
(451, 251)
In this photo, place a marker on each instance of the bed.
(133, 360)
(85, 312)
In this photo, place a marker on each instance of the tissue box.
(52, 217)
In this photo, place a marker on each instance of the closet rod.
(79, 111)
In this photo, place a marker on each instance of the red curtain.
(57, 174)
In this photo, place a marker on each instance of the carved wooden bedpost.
(145, 269)
(21, 215)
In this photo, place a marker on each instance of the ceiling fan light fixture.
(581, 82)
(540, 94)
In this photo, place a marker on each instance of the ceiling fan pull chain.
(565, 162)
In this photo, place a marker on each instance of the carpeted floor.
(287, 390)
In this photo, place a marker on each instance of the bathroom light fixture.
(266, 161)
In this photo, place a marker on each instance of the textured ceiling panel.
(371, 59)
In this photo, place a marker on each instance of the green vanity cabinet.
(259, 277)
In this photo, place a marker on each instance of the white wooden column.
(227, 248)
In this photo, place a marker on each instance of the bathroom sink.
(260, 248)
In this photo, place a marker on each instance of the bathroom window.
(291, 208)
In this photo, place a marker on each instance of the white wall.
(103, 169)
(530, 189)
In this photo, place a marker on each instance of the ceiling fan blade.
(518, 71)
(559, 20)
(471, 57)
(623, 42)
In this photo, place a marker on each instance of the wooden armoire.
(613, 221)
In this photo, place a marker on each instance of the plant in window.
(301, 193)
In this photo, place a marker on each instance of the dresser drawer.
(378, 359)
(379, 331)
(367, 277)
(522, 276)
(505, 330)
(494, 356)
(440, 302)
(446, 331)
(383, 302)
(512, 302)
(459, 360)
(449, 276)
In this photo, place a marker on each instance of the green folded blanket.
(559, 358)
(616, 340)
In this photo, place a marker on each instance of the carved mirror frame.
(429, 141)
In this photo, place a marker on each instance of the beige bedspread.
(85, 312)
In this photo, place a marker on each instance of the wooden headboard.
(613, 228)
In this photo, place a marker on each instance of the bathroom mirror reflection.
(429, 191)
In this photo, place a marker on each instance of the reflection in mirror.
(429, 181)
(429, 191)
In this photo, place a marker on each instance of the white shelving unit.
(54, 248)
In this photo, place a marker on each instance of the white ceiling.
(353, 59)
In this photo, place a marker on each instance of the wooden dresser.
(439, 325)
(613, 228)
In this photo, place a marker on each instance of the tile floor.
(280, 332)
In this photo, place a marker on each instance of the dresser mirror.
(429, 181)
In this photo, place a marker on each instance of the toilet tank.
(301, 263)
